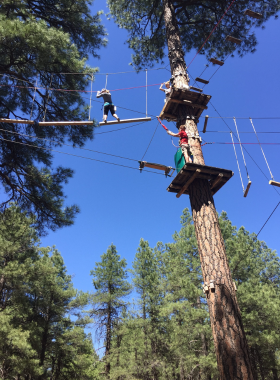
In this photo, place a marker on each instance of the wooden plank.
(16, 121)
(168, 116)
(155, 166)
(196, 89)
(217, 180)
(123, 121)
(205, 123)
(208, 169)
(233, 39)
(190, 180)
(189, 103)
(253, 14)
(64, 123)
(274, 183)
(247, 189)
(202, 80)
(216, 61)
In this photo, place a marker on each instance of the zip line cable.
(75, 155)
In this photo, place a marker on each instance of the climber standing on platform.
(108, 104)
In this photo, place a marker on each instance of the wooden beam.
(168, 116)
(274, 183)
(205, 123)
(216, 61)
(64, 123)
(247, 189)
(16, 121)
(233, 39)
(253, 14)
(123, 121)
(186, 185)
(187, 102)
(202, 80)
(217, 180)
(196, 89)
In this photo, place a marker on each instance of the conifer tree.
(181, 25)
(39, 338)
(108, 300)
(41, 43)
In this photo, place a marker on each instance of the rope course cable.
(261, 149)
(237, 163)
(244, 147)
(150, 142)
(75, 155)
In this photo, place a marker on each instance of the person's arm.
(98, 95)
(161, 89)
(172, 134)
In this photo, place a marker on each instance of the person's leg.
(106, 110)
(185, 153)
(112, 109)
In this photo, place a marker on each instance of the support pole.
(90, 97)
(229, 337)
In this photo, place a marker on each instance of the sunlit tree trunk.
(228, 332)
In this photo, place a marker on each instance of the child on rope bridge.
(108, 104)
(184, 141)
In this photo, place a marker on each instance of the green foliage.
(144, 21)
(41, 325)
(39, 43)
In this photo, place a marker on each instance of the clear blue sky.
(120, 205)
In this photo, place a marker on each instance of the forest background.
(121, 213)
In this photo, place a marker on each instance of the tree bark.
(229, 337)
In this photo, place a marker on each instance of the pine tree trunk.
(108, 339)
(229, 338)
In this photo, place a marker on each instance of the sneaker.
(118, 119)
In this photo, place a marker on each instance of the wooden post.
(229, 337)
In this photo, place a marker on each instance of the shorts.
(186, 148)
(110, 108)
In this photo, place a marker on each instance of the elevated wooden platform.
(216, 176)
(63, 123)
(122, 121)
(16, 121)
(197, 101)
(166, 169)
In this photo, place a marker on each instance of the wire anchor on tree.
(245, 192)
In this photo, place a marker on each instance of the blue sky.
(119, 205)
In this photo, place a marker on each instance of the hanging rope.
(90, 97)
(261, 149)
(237, 161)
(106, 82)
(146, 93)
(34, 97)
(241, 148)
(150, 142)
(44, 118)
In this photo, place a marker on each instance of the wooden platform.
(16, 121)
(122, 121)
(253, 14)
(197, 101)
(216, 176)
(64, 123)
